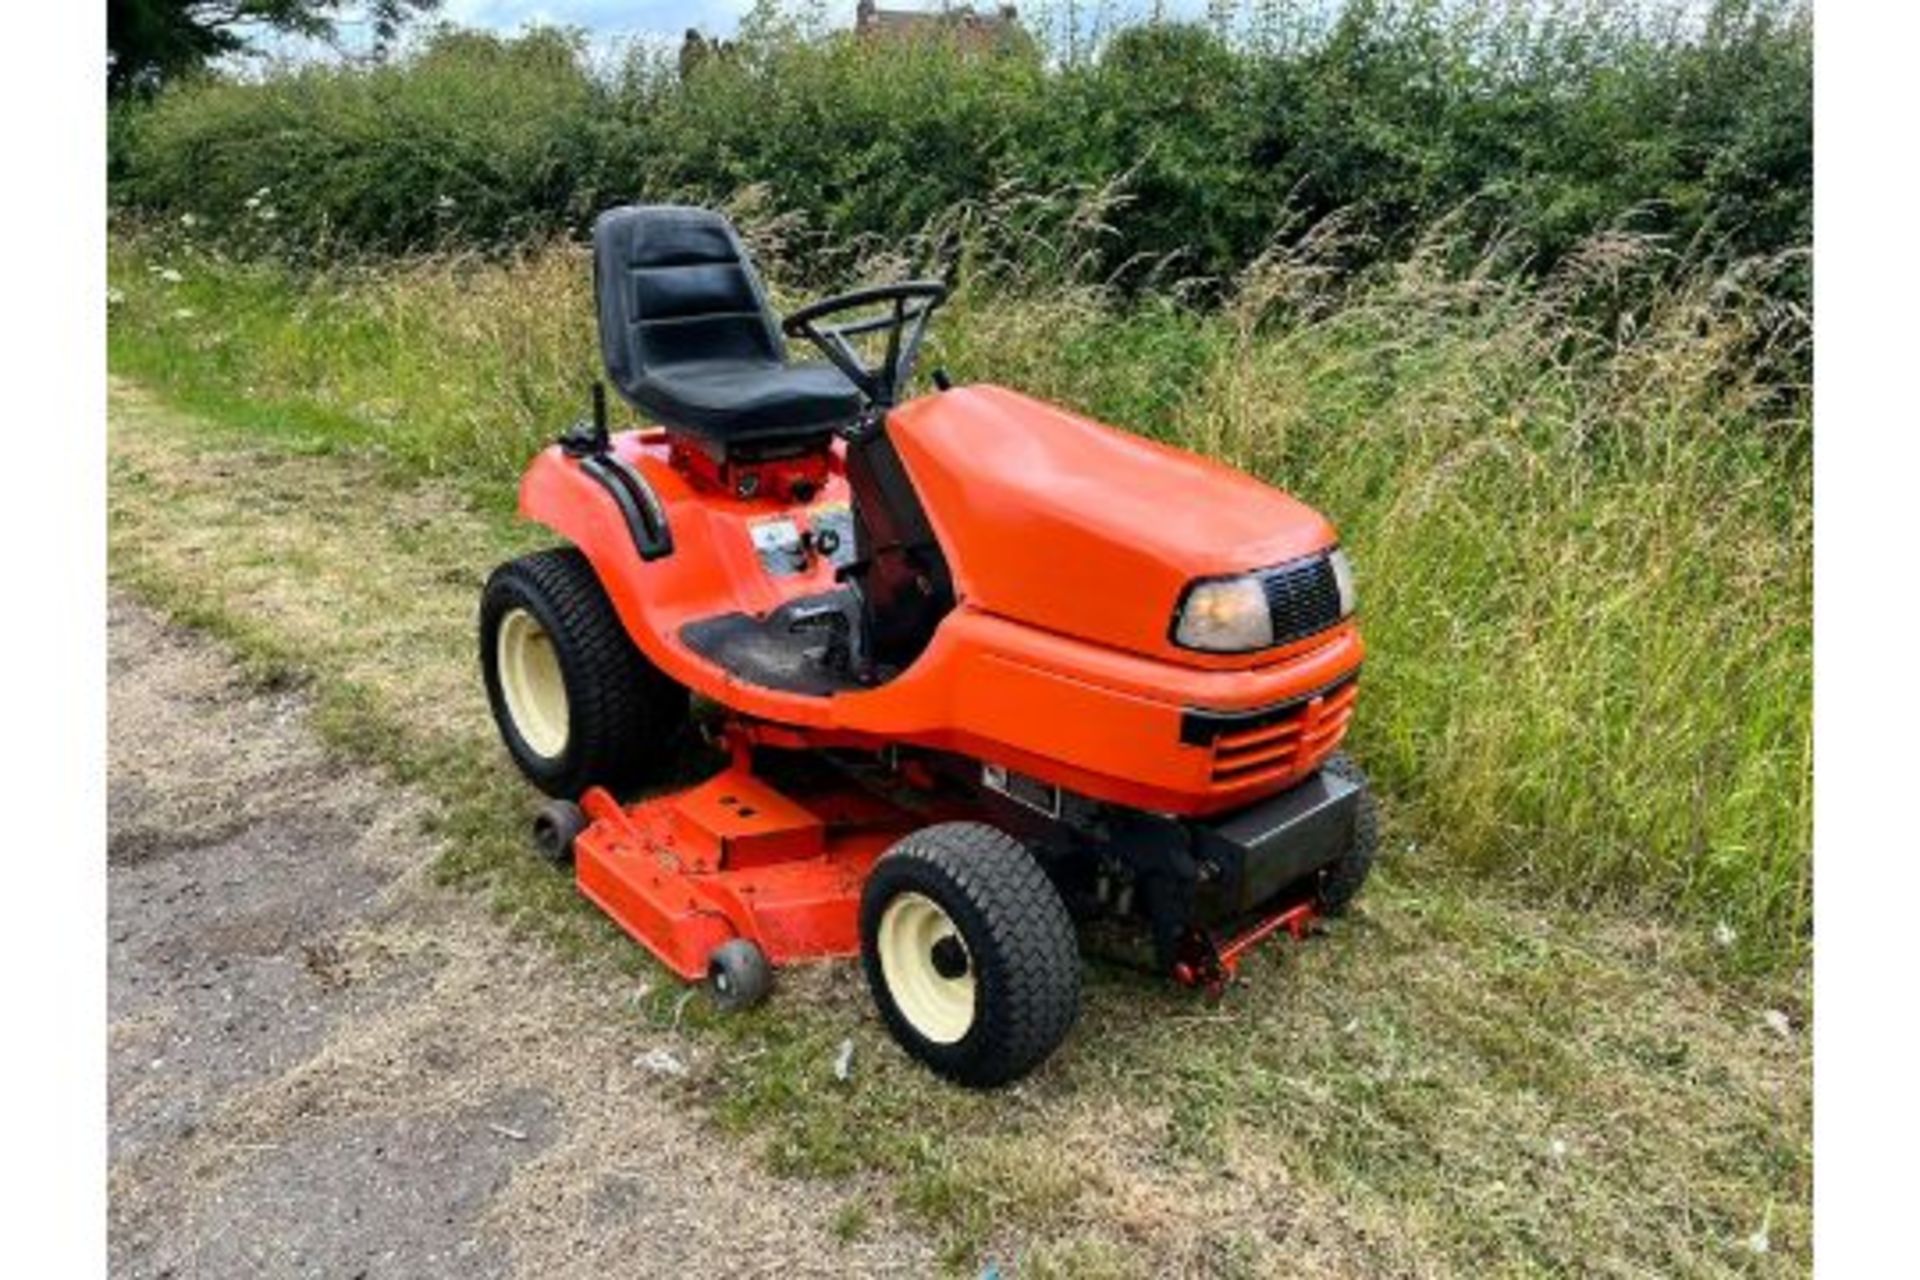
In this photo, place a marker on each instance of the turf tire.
(1019, 939)
(624, 716)
(1341, 880)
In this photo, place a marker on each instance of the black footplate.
(805, 646)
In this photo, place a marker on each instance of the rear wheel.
(577, 704)
(969, 953)
(1340, 881)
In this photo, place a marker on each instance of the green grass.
(1387, 1100)
(1584, 558)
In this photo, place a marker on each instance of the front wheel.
(1340, 881)
(970, 953)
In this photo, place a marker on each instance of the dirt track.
(320, 1063)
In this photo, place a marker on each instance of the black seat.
(689, 339)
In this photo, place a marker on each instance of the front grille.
(1273, 745)
(1303, 598)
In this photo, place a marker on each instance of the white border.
(53, 921)
(1867, 513)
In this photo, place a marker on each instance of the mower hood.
(1058, 521)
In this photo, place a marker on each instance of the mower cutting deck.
(983, 667)
(734, 858)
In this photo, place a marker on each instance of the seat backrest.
(674, 285)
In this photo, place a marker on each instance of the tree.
(151, 41)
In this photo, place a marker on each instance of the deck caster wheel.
(970, 953)
(554, 829)
(738, 975)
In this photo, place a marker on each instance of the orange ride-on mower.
(981, 667)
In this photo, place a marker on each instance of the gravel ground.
(321, 1063)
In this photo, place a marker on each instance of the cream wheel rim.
(928, 969)
(530, 681)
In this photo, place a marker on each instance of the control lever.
(589, 436)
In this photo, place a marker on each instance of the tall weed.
(1580, 506)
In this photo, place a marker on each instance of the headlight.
(1239, 614)
(1226, 615)
(1343, 579)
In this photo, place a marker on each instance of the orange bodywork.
(1084, 531)
(1070, 545)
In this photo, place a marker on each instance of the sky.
(606, 17)
(609, 23)
(714, 17)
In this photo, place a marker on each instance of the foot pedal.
(839, 655)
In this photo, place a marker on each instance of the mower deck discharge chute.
(982, 667)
